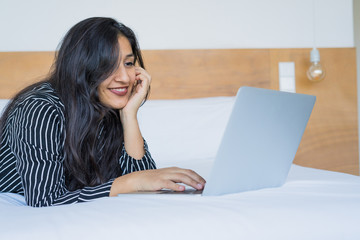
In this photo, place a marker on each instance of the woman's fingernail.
(199, 186)
(181, 188)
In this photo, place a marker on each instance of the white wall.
(39, 25)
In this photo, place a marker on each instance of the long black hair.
(88, 54)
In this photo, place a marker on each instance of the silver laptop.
(260, 141)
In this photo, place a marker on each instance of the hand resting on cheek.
(139, 91)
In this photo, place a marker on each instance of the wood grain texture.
(331, 138)
(205, 73)
(20, 69)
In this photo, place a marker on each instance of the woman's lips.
(119, 91)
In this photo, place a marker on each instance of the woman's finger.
(192, 174)
(186, 176)
(142, 74)
(142, 80)
(188, 180)
(173, 186)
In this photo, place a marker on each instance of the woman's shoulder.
(42, 94)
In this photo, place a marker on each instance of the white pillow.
(3, 103)
(179, 130)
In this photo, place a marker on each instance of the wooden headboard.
(331, 138)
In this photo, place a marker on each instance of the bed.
(314, 203)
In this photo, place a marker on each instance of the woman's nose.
(122, 75)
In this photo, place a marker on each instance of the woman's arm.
(133, 139)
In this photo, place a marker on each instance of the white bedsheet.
(313, 204)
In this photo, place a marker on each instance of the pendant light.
(316, 71)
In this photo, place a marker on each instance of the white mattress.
(313, 204)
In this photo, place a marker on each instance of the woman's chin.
(119, 106)
(115, 106)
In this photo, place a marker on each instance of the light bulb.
(316, 71)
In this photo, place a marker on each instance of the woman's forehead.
(125, 47)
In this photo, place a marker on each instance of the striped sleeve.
(128, 164)
(37, 140)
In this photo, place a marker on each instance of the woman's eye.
(129, 64)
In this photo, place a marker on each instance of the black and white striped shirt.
(32, 153)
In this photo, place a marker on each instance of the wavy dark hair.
(88, 54)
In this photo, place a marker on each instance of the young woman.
(74, 136)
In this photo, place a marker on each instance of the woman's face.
(115, 91)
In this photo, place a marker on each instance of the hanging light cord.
(314, 24)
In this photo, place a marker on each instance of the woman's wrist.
(127, 115)
(123, 184)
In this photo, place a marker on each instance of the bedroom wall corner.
(356, 12)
